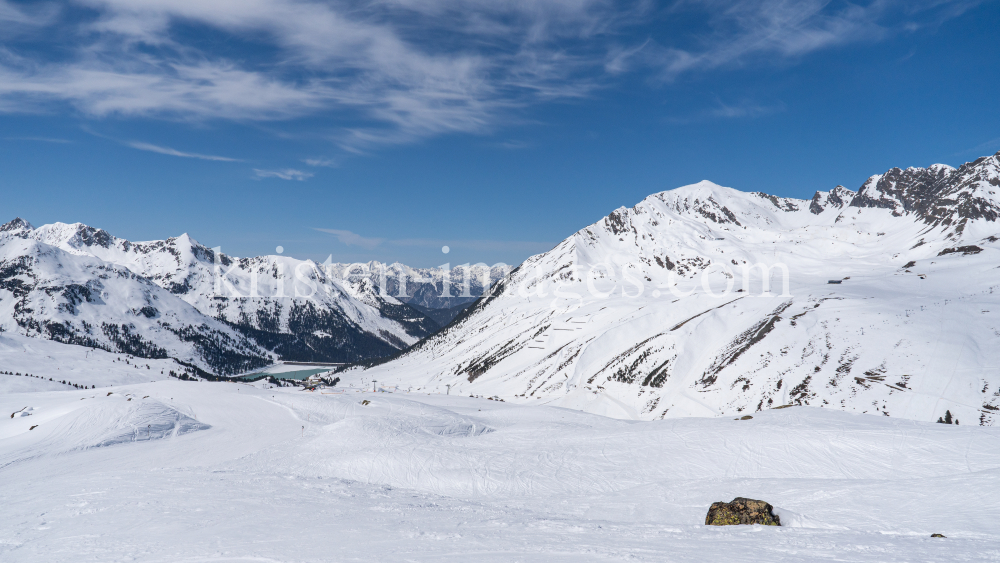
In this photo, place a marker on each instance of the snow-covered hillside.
(661, 311)
(176, 298)
(225, 472)
(35, 364)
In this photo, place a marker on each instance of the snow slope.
(49, 363)
(228, 472)
(661, 310)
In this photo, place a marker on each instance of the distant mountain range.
(177, 298)
(425, 287)
(892, 307)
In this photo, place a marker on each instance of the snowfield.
(73, 364)
(226, 472)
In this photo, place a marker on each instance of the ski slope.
(183, 471)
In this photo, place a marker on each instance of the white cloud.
(322, 162)
(284, 174)
(353, 239)
(989, 147)
(26, 15)
(721, 110)
(172, 152)
(374, 59)
(742, 31)
(199, 91)
(513, 144)
(399, 70)
(40, 139)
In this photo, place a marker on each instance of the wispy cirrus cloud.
(758, 31)
(30, 15)
(150, 147)
(369, 59)
(743, 109)
(283, 174)
(39, 139)
(398, 71)
(513, 144)
(173, 152)
(990, 146)
(192, 91)
(353, 239)
(322, 162)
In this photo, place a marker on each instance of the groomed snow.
(226, 472)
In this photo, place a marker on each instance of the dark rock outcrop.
(17, 224)
(964, 250)
(938, 195)
(741, 511)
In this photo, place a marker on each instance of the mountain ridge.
(290, 309)
(905, 331)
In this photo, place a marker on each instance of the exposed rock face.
(837, 198)
(16, 225)
(741, 511)
(938, 195)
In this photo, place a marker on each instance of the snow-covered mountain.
(46, 292)
(177, 298)
(426, 288)
(661, 310)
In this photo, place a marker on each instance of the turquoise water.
(297, 374)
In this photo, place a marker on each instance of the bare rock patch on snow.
(743, 511)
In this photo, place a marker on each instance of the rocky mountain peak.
(837, 198)
(939, 194)
(90, 236)
(17, 224)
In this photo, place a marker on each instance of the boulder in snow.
(741, 511)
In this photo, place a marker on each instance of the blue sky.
(386, 130)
